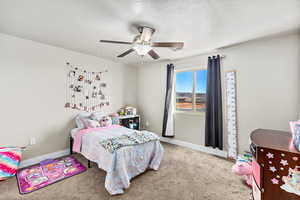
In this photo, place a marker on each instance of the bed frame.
(71, 150)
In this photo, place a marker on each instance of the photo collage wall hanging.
(86, 90)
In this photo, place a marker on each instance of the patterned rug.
(47, 172)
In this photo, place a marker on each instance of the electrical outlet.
(147, 123)
(32, 141)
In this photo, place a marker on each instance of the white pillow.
(82, 115)
(97, 116)
(88, 123)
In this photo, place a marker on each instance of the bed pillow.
(88, 123)
(79, 117)
(97, 116)
(114, 118)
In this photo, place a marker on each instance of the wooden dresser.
(275, 172)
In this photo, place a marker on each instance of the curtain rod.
(211, 52)
(221, 56)
(190, 57)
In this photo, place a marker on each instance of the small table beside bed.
(122, 152)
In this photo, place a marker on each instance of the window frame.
(194, 110)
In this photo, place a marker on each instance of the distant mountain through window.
(184, 90)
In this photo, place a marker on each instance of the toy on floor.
(10, 158)
(47, 172)
(243, 167)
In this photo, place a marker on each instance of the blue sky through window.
(201, 81)
(184, 81)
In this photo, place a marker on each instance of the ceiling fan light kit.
(142, 44)
(141, 49)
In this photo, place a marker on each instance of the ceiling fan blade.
(174, 45)
(115, 42)
(125, 53)
(153, 54)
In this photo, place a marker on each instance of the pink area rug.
(47, 172)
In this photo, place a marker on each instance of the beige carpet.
(184, 175)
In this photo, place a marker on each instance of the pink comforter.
(79, 134)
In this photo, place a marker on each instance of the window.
(190, 87)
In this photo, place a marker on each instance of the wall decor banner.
(231, 113)
(86, 90)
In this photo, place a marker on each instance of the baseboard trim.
(196, 147)
(35, 160)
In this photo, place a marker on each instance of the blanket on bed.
(138, 137)
(80, 133)
(125, 163)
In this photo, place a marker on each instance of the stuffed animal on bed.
(97, 119)
(105, 121)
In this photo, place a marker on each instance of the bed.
(122, 164)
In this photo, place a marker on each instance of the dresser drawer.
(257, 175)
(255, 191)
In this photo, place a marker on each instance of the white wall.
(33, 92)
(268, 88)
(34, 76)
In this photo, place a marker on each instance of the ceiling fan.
(143, 45)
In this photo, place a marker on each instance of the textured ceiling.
(202, 24)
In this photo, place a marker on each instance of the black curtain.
(213, 115)
(170, 75)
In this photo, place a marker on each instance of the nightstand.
(130, 121)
